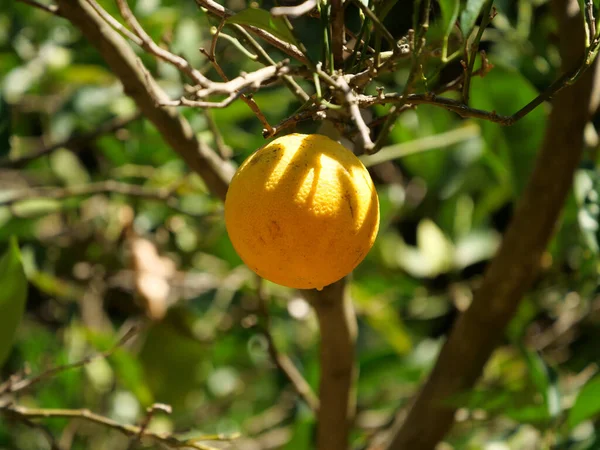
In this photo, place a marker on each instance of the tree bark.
(479, 330)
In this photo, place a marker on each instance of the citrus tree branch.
(511, 273)
(142, 88)
(337, 323)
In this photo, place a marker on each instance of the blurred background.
(116, 231)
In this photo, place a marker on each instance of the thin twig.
(151, 47)
(266, 59)
(204, 104)
(12, 386)
(282, 361)
(294, 11)
(147, 418)
(366, 143)
(166, 439)
(382, 29)
(52, 9)
(114, 23)
(163, 195)
(591, 20)
(73, 142)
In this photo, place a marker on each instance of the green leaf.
(263, 19)
(469, 15)
(449, 14)
(12, 297)
(587, 403)
(545, 380)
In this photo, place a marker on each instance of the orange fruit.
(302, 211)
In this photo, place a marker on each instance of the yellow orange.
(302, 211)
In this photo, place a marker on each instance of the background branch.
(282, 361)
(510, 274)
(74, 143)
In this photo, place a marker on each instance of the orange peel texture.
(302, 211)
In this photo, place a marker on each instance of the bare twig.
(366, 143)
(282, 361)
(220, 11)
(266, 59)
(509, 275)
(591, 20)
(204, 104)
(114, 23)
(73, 142)
(337, 323)
(11, 386)
(151, 47)
(294, 11)
(52, 9)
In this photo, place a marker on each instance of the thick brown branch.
(176, 131)
(510, 274)
(337, 323)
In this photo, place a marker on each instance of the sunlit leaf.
(263, 19)
(587, 404)
(13, 296)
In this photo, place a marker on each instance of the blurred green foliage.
(443, 211)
